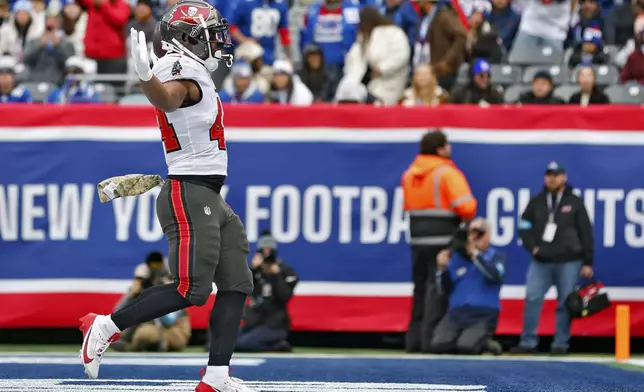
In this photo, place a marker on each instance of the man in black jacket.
(542, 91)
(557, 232)
(267, 321)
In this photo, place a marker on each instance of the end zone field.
(319, 372)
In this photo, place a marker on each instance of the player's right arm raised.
(168, 96)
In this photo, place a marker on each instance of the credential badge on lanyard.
(421, 47)
(551, 227)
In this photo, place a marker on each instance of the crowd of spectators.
(383, 52)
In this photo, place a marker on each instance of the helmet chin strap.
(212, 62)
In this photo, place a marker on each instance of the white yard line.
(257, 359)
(183, 385)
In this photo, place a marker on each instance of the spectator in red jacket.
(634, 68)
(105, 35)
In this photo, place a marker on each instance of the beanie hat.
(592, 35)
(266, 241)
(543, 75)
(480, 66)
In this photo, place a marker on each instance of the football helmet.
(196, 29)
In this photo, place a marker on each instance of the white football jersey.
(193, 136)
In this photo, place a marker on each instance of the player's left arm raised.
(168, 96)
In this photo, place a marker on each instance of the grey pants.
(207, 241)
(463, 339)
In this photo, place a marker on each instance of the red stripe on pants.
(183, 227)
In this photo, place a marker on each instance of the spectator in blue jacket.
(243, 90)
(332, 26)
(226, 7)
(589, 17)
(9, 92)
(261, 21)
(403, 14)
(590, 50)
(505, 20)
(472, 276)
(73, 89)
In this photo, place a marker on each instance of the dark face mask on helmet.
(198, 31)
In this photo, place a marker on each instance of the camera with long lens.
(460, 237)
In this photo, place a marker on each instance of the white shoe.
(95, 342)
(226, 385)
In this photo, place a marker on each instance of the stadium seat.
(513, 92)
(107, 92)
(134, 99)
(39, 91)
(560, 74)
(566, 91)
(463, 75)
(505, 74)
(627, 94)
(611, 50)
(606, 74)
(527, 56)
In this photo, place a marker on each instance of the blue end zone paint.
(497, 376)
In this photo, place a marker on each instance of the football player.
(207, 241)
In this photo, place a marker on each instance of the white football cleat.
(226, 385)
(95, 342)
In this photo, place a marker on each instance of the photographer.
(470, 273)
(168, 333)
(267, 323)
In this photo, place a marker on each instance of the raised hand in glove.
(140, 55)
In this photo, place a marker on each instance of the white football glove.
(140, 55)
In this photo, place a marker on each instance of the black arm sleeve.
(284, 283)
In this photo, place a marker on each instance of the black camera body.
(271, 258)
(460, 237)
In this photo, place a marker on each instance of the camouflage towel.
(128, 185)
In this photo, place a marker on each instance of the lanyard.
(425, 24)
(551, 210)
